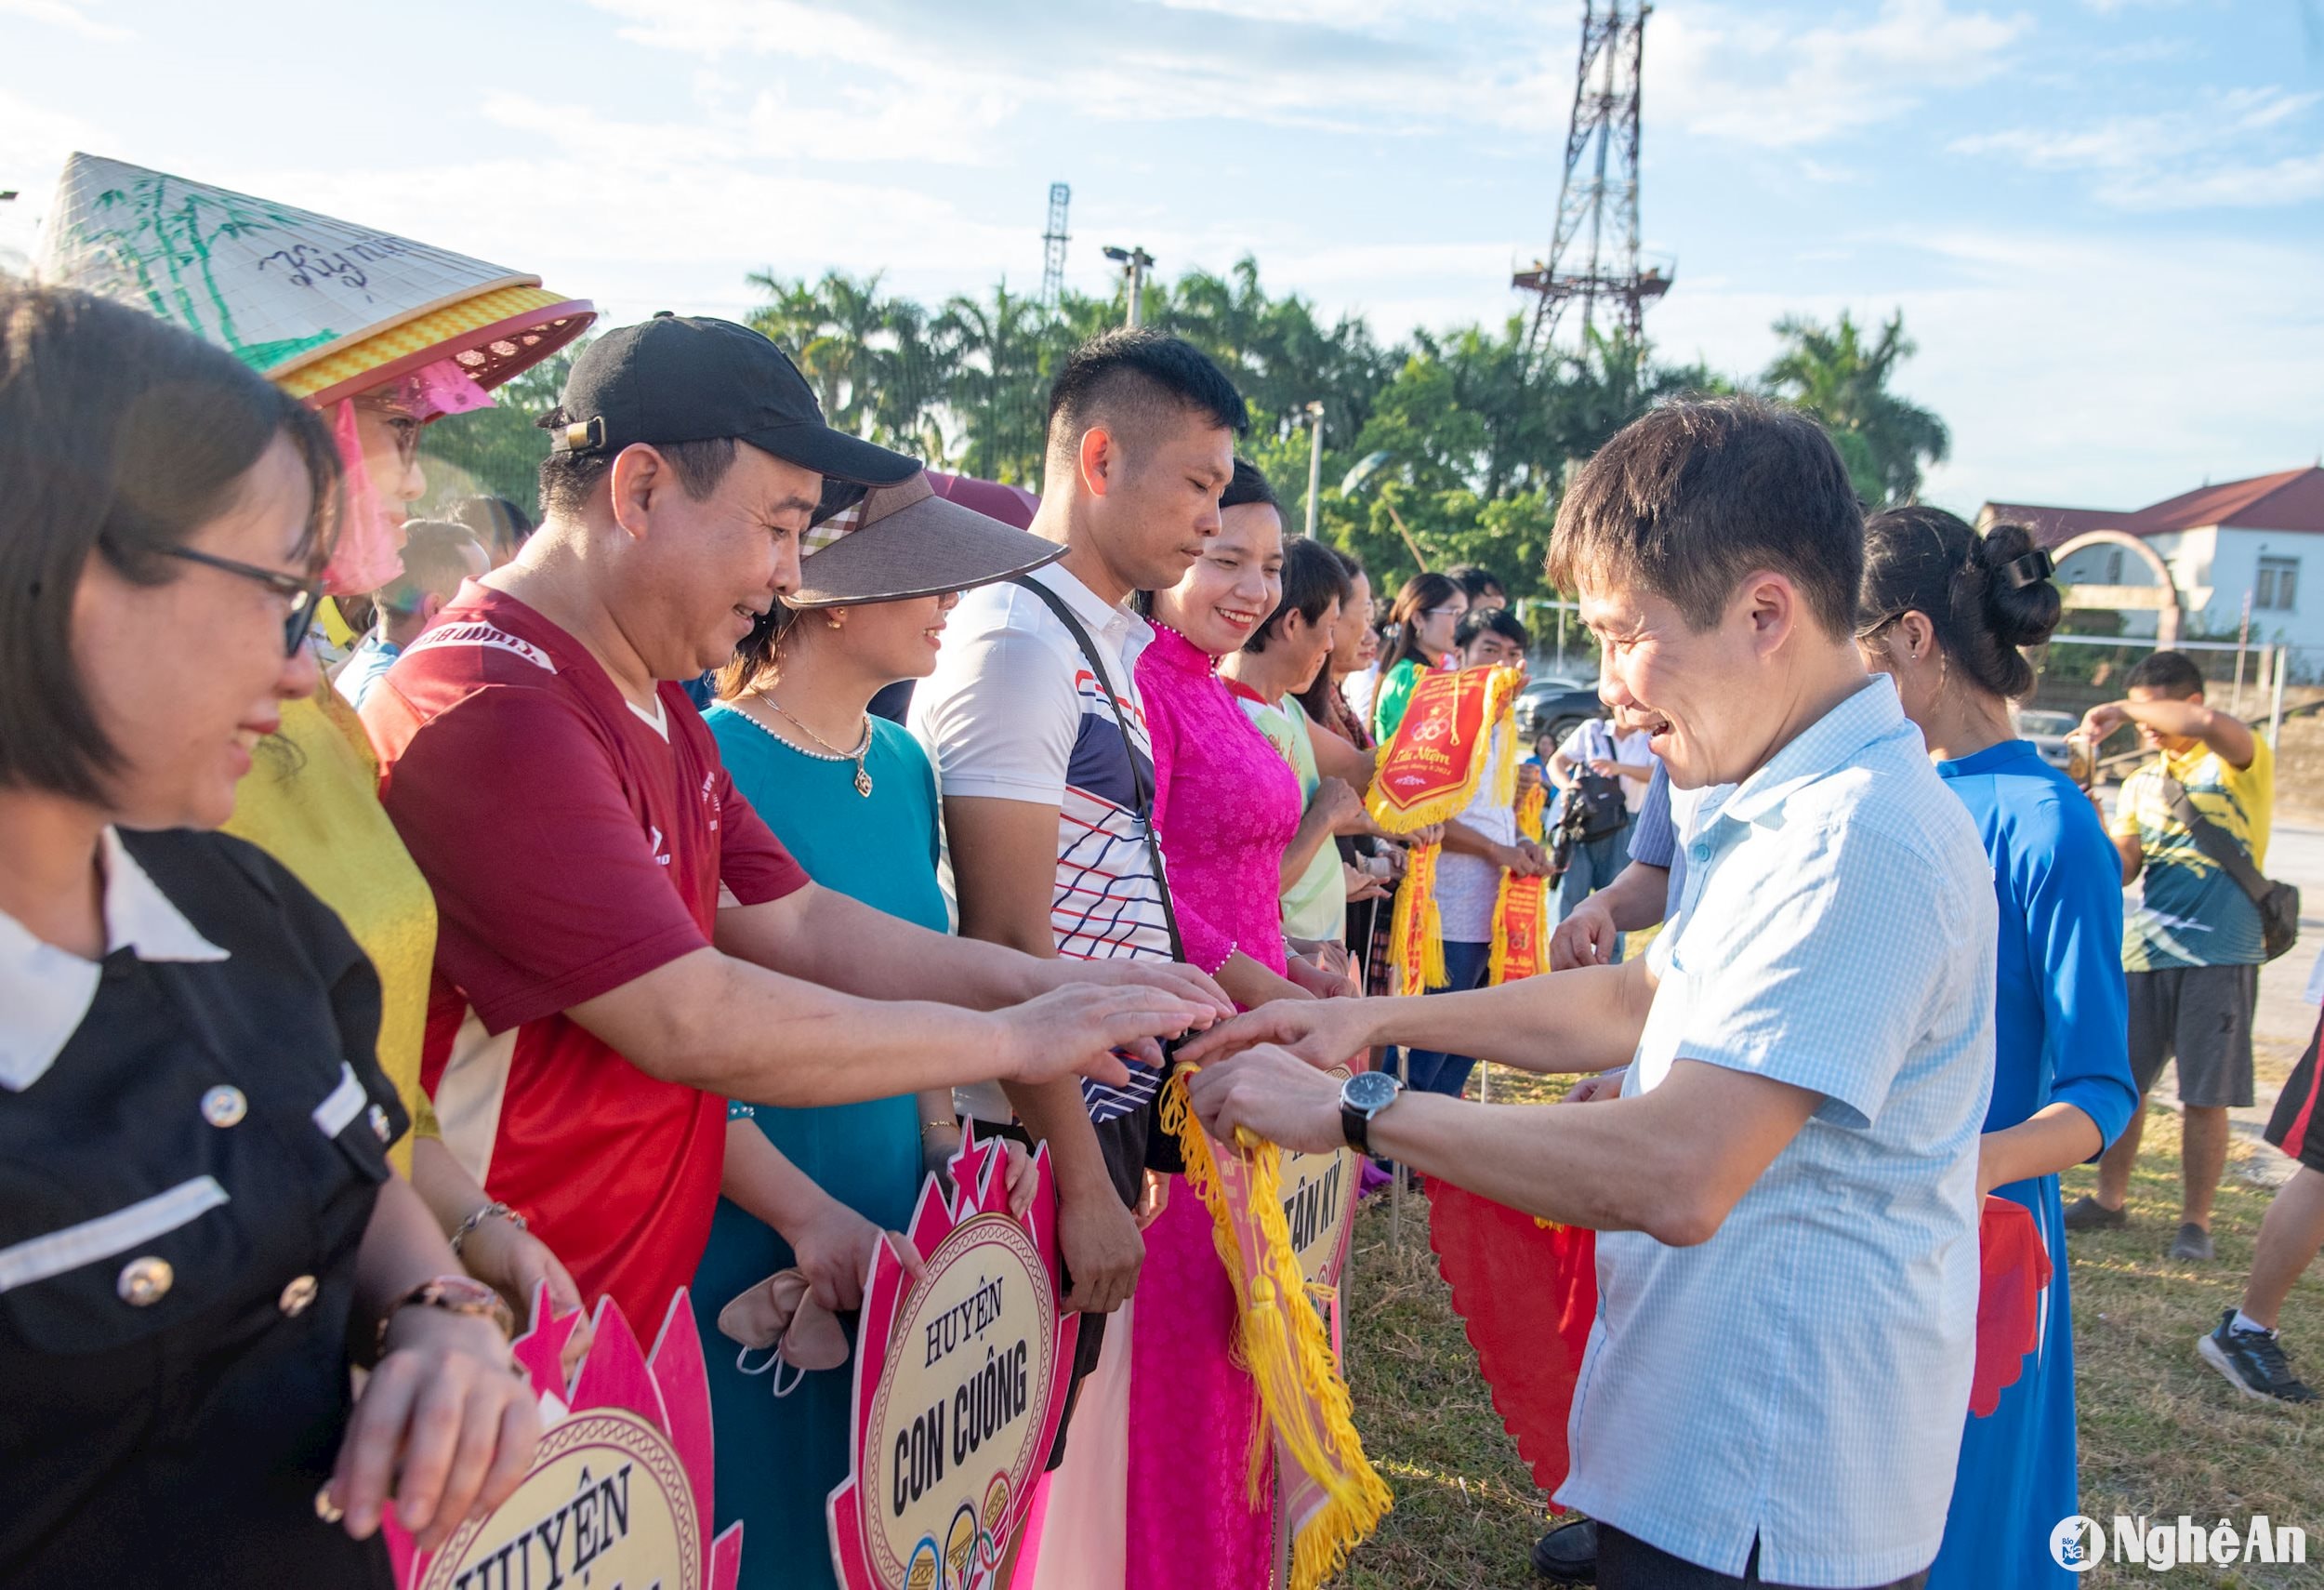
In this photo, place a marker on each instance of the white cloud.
(2070, 370)
(66, 15)
(1761, 79)
(1379, 66)
(37, 140)
(2207, 154)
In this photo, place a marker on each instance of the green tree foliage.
(1835, 375)
(1471, 435)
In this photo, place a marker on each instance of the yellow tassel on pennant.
(1498, 966)
(1531, 810)
(1416, 927)
(1281, 1339)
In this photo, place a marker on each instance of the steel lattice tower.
(1053, 247)
(1593, 251)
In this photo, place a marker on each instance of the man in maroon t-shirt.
(622, 944)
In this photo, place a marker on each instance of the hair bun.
(2022, 602)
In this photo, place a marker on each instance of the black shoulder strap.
(1141, 777)
(2215, 841)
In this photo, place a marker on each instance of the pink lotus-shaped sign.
(620, 1487)
(961, 1382)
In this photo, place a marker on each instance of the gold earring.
(832, 621)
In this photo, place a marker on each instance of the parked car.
(1556, 707)
(2048, 730)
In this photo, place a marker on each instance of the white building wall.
(2218, 566)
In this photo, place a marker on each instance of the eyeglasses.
(303, 594)
(1447, 612)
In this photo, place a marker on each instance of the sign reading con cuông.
(961, 1382)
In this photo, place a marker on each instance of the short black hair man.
(1717, 548)
(1041, 766)
(2191, 951)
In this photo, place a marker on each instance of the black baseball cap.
(690, 378)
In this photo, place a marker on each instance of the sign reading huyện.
(961, 1382)
(1429, 771)
(619, 1490)
(1521, 928)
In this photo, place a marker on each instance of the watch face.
(1369, 1091)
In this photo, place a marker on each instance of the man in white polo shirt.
(1045, 770)
(1774, 1387)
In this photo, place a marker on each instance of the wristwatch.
(1362, 1097)
(453, 1294)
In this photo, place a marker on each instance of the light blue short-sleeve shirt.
(1799, 1379)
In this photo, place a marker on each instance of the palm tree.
(1885, 441)
(1000, 355)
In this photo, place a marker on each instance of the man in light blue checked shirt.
(1776, 1384)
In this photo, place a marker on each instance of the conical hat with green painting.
(324, 308)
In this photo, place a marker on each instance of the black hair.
(1500, 620)
(1477, 581)
(1689, 498)
(1421, 592)
(495, 521)
(759, 656)
(2167, 673)
(1246, 486)
(1129, 378)
(569, 480)
(120, 437)
(1313, 579)
(1985, 596)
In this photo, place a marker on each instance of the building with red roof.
(2223, 545)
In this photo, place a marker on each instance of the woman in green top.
(853, 799)
(1425, 614)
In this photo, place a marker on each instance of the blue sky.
(2103, 220)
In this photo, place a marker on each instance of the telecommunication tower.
(1593, 250)
(1053, 247)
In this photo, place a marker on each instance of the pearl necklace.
(862, 748)
(1169, 629)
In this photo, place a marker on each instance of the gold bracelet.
(948, 1124)
(494, 1209)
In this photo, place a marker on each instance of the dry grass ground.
(2161, 1434)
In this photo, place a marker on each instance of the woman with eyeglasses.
(198, 1218)
(1945, 613)
(1426, 612)
(310, 800)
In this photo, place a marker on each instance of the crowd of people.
(340, 1017)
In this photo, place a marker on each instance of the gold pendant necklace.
(863, 747)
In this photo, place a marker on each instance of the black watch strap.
(1356, 1127)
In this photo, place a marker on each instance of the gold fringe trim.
(1500, 965)
(1504, 771)
(1416, 927)
(1281, 1339)
(1531, 810)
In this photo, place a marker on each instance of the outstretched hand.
(1272, 1094)
(1073, 1030)
(1322, 1032)
(1172, 977)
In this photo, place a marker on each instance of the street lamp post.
(1135, 263)
(1314, 461)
